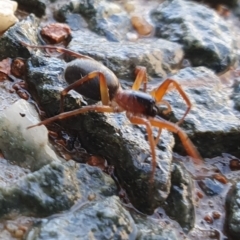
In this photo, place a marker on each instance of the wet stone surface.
(206, 43)
(179, 204)
(91, 220)
(233, 211)
(68, 199)
(159, 56)
(55, 188)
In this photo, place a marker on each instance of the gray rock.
(151, 228)
(179, 204)
(55, 188)
(106, 18)
(233, 212)
(236, 94)
(211, 187)
(160, 57)
(25, 31)
(206, 37)
(212, 120)
(105, 219)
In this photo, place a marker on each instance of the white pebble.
(7, 18)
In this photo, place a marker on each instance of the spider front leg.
(93, 108)
(142, 121)
(159, 92)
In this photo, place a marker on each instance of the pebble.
(7, 18)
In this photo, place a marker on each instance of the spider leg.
(58, 49)
(142, 121)
(141, 77)
(168, 110)
(187, 143)
(103, 87)
(93, 108)
(159, 92)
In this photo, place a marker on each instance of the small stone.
(131, 37)
(56, 32)
(216, 215)
(129, 6)
(234, 164)
(91, 197)
(18, 233)
(141, 25)
(220, 178)
(208, 219)
(18, 67)
(7, 18)
(11, 227)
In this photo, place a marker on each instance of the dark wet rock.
(25, 30)
(233, 212)
(26, 148)
(109, 135)
(105, 219)
(211, 187)
(110, 21)
(160, 57)
(206, 37)
(236, 95)
(215, 3)
(55, 187)
(153, 229)
(47, 81)
(179, 204)
(212, 122)
(106, 18)
(38, 7)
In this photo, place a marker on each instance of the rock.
(25, 31)
(236, 94)
(160, 57)
(38, 7)
(100, 220)
(212, 120)
(153, 229)
(7, 98)
(106, 218)
(55, 187)
(7, 18)
(233, 212)
(141, 25)
(27, 148)
(229, 3)
(211, 187)
(179, 204)
(205, 36)
(106, 18)
(110, 21)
